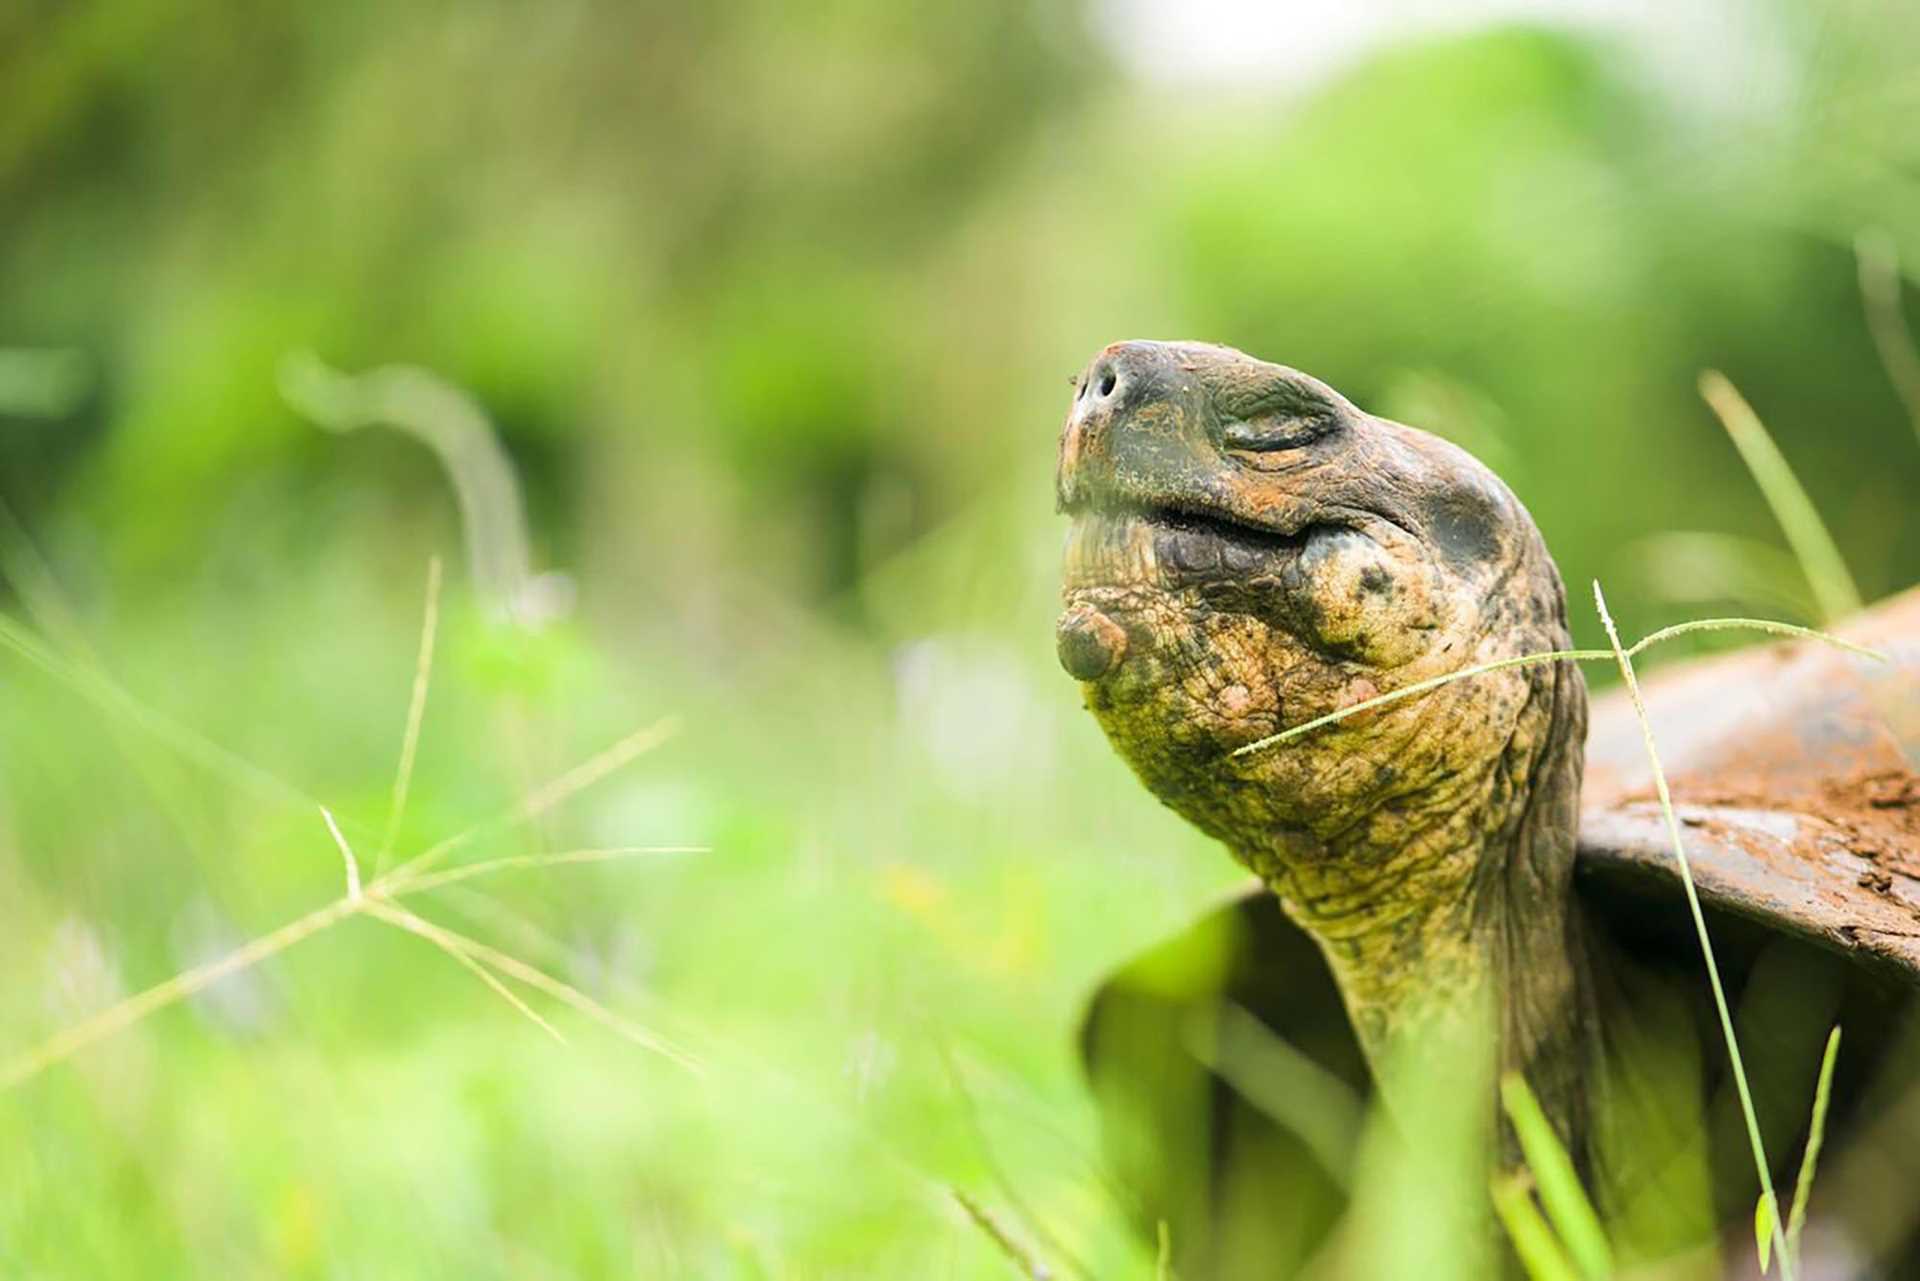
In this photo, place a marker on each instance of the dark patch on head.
(1375, 579)
(1464, 528)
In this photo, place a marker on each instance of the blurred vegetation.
(773, 308)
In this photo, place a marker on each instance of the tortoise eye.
(1272, 432)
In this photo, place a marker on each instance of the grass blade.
(1564, 1200)
(415, 883)
(124, 1014)
(1028, 1218)
(416, 713)
(346, 854)
(1768, 625)
(549, 794)
(1816, 1135)
(1751, 625)
(420, 927)
(997, 1232)
(1699, 920)
(1763, 1229)
(1539, 1251)
(1300, 1096)
(113, 701)
(1419, 687)
(567, 994)
(453, 425)
(1813, 546)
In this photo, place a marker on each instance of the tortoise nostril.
(1108, 381)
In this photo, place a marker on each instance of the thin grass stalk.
(1554, 656)
(1028, 1217)
(515, 968)
(416, 714)
(113, 700)
(373, 900)
(419, 883)
(1418, 687)
(401, 919)
(550, 794)
(1816, 1136)
(124, 1014)
(1700, 926)
(1016, 1252)
(1773, 626)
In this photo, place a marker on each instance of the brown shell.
(1795, 772)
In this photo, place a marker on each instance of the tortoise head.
(1250, 551)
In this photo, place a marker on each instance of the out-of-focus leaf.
(1560, 1191)
(1540, 1253)
(1763, 1230)
(42, 383)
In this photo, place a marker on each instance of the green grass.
(378, 898)
(802, 961)
(799, 961)
(824, 911)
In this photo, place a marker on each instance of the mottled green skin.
(1249, 551)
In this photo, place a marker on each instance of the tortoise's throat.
(1449, 933)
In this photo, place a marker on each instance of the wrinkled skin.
(1249, 551)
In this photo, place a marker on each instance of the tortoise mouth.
(1167, 546)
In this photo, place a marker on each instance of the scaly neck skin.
(1458, 905)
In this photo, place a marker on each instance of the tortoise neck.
(1460, 906)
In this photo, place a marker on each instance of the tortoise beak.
(1115, 385)
(1142, 436)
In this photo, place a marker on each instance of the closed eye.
(1276, 432)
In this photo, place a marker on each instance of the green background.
(773, 307)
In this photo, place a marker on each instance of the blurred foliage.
(773, 307)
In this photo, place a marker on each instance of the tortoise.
(1250, 551)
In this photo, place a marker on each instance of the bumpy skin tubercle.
(1249, 551)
